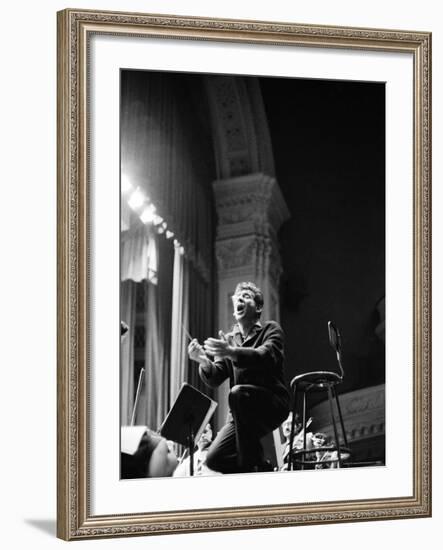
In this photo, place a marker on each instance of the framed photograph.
(244, 294)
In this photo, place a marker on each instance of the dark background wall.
(329, 141)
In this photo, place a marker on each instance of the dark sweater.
(259, 362)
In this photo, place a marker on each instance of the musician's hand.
(219, 347)
(196, 352)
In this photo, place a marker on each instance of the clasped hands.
(220, 348)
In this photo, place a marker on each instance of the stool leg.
(337, 441)
(291, 438)
(304, 427)
(345, 439)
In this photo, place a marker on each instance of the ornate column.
(250, 211)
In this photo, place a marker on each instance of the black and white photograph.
(252, 274)
(244, 274)
(222, 287)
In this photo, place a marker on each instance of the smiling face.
(245, 305)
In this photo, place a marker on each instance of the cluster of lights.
(142, 205)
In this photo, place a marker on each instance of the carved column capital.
(250, 211)
(249, 204)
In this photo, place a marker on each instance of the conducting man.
(251, 357)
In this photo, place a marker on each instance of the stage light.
(147, 216)
(169, 234)
(157, 219)
(137, 199)
(125, 184)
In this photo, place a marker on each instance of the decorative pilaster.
(250, 211)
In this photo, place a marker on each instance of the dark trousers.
(255, 412)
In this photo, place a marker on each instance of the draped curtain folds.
(154, 399)
(139, 255)
(181, 299)
(127, 307)
(180, 319)
(201, 299)
(166, 152)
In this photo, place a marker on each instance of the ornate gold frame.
(74, 30)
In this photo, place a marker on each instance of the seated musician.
(325, 458)
(200, 467)
(298, 437)
(145, 454)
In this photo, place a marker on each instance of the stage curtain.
(166, 153)
(127, 311)
(201, 308)
(139, 254)
(154, 398)
(180, 319)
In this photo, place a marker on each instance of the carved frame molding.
(75, 27)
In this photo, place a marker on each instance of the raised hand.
(219, 347)
(196, 351)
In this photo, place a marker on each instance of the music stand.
(187, 418)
